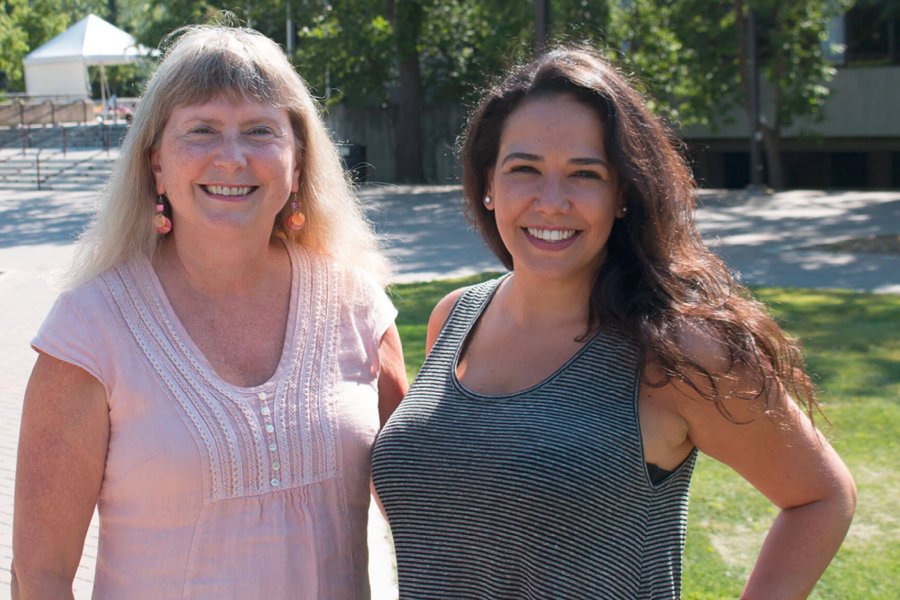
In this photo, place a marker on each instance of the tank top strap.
(467, 309)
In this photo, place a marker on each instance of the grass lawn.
(852, 344)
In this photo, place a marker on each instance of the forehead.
(227, 109)
(558, 120)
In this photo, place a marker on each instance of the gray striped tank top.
(542, 493)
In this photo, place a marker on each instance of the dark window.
(806, 169)
(895, 169)
(736, 170)
(848, 170)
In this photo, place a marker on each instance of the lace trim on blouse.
(274, 436)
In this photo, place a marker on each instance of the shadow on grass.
(851, 340)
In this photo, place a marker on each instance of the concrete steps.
(51, 169)
(71, 135)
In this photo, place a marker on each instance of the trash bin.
(353, 157)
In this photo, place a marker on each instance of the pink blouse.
(217, 491)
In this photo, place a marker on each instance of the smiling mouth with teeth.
(551, 235)
(223, 190)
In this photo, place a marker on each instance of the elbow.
(16, 580)
(24, 585)
(842, 500)
(13, 583)
(850, 495)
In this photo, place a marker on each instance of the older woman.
(545, 449)
(214, 378)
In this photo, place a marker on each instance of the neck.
(227, 267)
(530, 300)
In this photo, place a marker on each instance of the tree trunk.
(772, 134)
(772, 142)
(408, 129)
(407, 17)
(112, 11)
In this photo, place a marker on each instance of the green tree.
(408, 19)
(344, 52)
(693, 56)
(25, 25)
(13, 48)
(163, 17)
(407, 54)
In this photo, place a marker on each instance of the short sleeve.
(383, 311)
(67, 335)
(366, 314)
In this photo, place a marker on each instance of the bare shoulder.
(439, 316)
(702, 345)
(713, 371)
(715, 394)
(751, 427)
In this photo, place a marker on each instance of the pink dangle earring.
(161, 222)
(296, 219)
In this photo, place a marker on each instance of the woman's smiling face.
(226, 165)
(554, 194)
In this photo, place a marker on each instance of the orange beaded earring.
(161, 222)
(296, 219)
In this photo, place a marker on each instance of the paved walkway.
(767, 239)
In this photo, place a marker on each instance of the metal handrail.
(31, 114)
(47, 177)
(29, 137)
(37, 164)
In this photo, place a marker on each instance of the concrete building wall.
(863, 102)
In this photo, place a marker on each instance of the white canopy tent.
(59, 67)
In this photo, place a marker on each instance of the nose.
(552, 196)
(231, 155)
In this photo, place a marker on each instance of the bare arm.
(778, 450)
(62, 456)
(439, 316)
(392, 380)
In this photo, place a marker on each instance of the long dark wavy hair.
(659, 279)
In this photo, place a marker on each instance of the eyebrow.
(263, 120)
(536, 158)
(520, 156)
(589, 161)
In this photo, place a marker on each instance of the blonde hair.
(199, 64)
